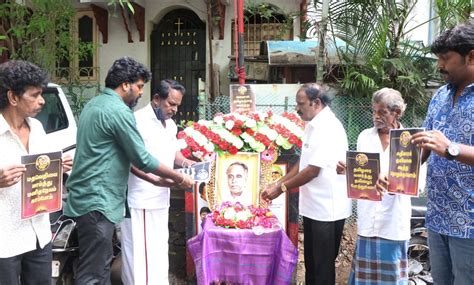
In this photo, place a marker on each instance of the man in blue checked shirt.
(448, 146)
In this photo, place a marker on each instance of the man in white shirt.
(145, 233)
(25, 245)
(323, 201)
(383, 227)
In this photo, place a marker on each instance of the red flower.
(189, 141)
(233, 150)
(242, 224)
(259, 217)
(203, 129)
(229, 223)
(186, 152)
(223, 145)
(238, 207)
(238, 124)
(229, 118)
(285, 133)
(193, 145)
(236, 132)
(238, 129)
(181, 135)
(293, 139)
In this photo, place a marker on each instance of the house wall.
(222, 48)
(422, 31)
(155, 10)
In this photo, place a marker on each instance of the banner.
(362, 171)
(405, 162)
(41, 190)
(242, 99)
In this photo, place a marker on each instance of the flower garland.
(238, 216)
(231, 133)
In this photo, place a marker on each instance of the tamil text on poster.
(405, 162)
(41, 190)
(362, 171)
(242, 99)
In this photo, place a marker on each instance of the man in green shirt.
(108, 142)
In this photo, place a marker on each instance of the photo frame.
(201, 206)
(201, 173)
(279, 206)
(237, 178)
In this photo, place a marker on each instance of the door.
(178, 45)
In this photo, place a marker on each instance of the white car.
(58, 120)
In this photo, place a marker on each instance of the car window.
(53, 117)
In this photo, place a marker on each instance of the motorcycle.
(66, 251)
(419, 270)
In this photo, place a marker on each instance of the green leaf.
(377, 53)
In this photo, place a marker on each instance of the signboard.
(242, 99)
(362, 171)
(41, 190)
(405, 162)
(292, 52)
(302, 52)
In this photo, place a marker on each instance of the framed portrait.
(238, 178)
(279, 206)
(201, 173)
(201, 205)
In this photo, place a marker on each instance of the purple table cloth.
(241, 256)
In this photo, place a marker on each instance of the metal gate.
(178, 46)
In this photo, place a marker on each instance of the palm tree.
(452, 12)
(377, 52)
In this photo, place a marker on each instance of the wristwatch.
(452, 151)
(283, 188)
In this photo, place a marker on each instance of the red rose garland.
(231, 133)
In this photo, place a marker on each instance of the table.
(242, 256)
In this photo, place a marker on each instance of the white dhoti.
(145, 247)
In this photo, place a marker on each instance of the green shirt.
(107, 142)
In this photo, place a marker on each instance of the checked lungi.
(379, 261)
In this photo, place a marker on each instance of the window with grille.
(81, 65)
(262, 23)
